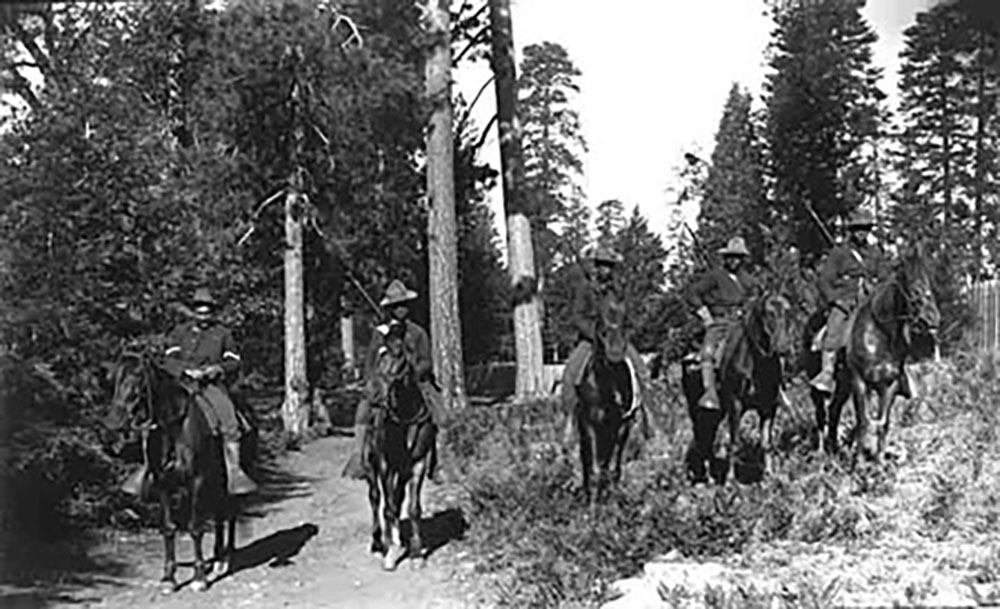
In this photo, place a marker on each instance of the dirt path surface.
(303, 544)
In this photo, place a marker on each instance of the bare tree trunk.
(295, 409)
(521, 256)
(442, 232)
(347, 346)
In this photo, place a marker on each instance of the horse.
(401, 450)
(881, 339)
(750, 378)
(607, 405)
(187, 472)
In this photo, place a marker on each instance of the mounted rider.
(417, 346)
(844, 277)
(590, 290)
(202, 355)
(718, 297)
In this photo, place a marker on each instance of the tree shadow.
(275, 486)
(277, 549)
(440, 529)
(36, 573)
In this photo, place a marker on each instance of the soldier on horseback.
(718, 298)
(847, 273)
(589, 292)
(202, 354)
(417, 346)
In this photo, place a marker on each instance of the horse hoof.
(199, 585)
(168, 587)
(392, 558)
(220, 569)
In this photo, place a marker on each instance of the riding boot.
(357, 466)
(136, 483)
(710, 399)
(823, 381)
(239, 483)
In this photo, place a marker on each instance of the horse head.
(610, 332)
(773, 314)
(132, 401)
(915, 282)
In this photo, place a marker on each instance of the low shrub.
(533, 534)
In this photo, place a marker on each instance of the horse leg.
(586, 455)
(886, 396)
(418, 559)
(864, 441)
(605, 450)
(819, 404)
(733, 410)
(225, 537)
(168, 583)
(393, 503)
(375, 501)
(841, 393)
(623, 433)
(200, 582)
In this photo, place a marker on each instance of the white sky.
(656, 74)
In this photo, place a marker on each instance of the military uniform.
(845, 276)
(417, 347)
(588, 296)
(200, 355)
(718, 296)
(191, 347)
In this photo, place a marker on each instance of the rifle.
(697, 246)
(819, 223)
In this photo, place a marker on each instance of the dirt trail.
(305, 544)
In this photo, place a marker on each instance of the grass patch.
(537, 541)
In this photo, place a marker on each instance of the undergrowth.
(537, 540)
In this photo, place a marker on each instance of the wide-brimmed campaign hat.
(735, 247)
(202, 296)
(397, 293)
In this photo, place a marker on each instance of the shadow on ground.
(276, 550)
(440, 529)
(277, 484)
(39, 574)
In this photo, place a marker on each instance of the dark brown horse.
(882, 335)
(187, 474)
(606, 406)
(402, 451)
(750, 378)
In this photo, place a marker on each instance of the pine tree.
(642, 278)
(733, 202)
(823, 108)
(950, 134)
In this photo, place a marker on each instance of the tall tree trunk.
(295, 409)
(442, 232)
(520, 253)
(982, 116)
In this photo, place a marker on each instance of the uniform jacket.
(585, 308)
(843, 273)
(416, 344)
(189, 346)
(720, 291)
